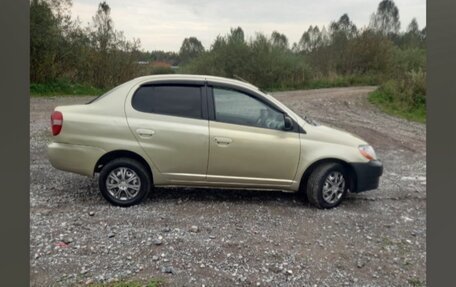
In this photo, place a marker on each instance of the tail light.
(56, 122)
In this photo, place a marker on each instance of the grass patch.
(151, 283)
(415, 282)
(404, 96)
(383, 100)
(62, 88)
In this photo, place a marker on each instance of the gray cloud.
(163, 24)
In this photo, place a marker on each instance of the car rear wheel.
(327, 185)
(124, 182)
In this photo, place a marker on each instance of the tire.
(118, 184)
(334, 193)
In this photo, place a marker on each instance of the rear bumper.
(74, 158)
(367, 175)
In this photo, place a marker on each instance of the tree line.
(62, 49)
(337, 55)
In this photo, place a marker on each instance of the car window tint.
(174, 100)
(238, 108)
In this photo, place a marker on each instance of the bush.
(405, 96)
(158, 70)
(406, 60)
(258, 61)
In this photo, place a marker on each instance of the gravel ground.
(196, 237)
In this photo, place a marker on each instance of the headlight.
(367, 151)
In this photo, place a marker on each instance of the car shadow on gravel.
(244, 196)
(88, 191)
(223, 195)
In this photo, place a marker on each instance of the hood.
(332, 135)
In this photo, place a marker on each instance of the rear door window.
(173, 100)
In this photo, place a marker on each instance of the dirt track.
(377, 238)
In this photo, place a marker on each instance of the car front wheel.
(327, 185)
(124, 182)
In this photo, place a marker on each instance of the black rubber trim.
(367, 175)
(210, 103)
(204, 107)
(175, 82)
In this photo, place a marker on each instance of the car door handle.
(145, 133)
(223, 140)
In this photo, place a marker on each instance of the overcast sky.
(163, 24)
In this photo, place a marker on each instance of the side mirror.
(288, 123)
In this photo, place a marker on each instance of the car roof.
(197, 78)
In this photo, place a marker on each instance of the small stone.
(194, 229)
(168, 269)
(155, 258)
(212, 237)
(157, 241)
(289, 272)
(91, 213)
(166, 229)
(360, 264)
(406, 219)
(275, 269)
(111, 235)
(67, 240)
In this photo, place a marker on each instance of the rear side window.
(173, 100)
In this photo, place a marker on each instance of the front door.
(248, 145)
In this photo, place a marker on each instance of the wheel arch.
(109, 156)
(348, 168)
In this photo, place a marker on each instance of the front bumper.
(367, 175)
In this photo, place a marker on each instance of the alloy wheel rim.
(334, 187)
(123, 183)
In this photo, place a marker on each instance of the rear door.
(248, 145)
(170, 122)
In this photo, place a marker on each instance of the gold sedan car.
(192, 130)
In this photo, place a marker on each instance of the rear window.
(173, 100)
